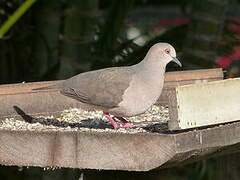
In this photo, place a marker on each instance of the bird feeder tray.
(25, 143)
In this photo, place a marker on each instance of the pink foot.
(125, 124)
(121, 119)
(110, 119)
(115, 124)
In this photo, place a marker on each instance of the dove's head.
(165, 53)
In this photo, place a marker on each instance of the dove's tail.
(46, 88)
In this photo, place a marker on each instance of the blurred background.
(48, 40)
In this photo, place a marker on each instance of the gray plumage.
(99, 88)
(122, 91)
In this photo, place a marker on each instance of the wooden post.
(204, 104)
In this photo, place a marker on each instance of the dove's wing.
(103, 87)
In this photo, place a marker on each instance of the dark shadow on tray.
(87, 123)
(157, 127)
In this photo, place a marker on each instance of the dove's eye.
(167, 51)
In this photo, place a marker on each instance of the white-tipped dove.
(122, 91)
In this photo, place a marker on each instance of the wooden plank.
(194, 74)
(205, 104)
(114, 150)
(23, 87)
(172, 79)
(21, 95)
(178, 78)
(92, 150)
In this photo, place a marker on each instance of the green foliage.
(30, 48)
(15, 16)
(40, 52)
(113, 25)
(79, 22)
(107, 46)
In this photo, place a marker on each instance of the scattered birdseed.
(86, 121)
(155, 114)
(75, 114)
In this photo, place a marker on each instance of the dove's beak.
(177, 61)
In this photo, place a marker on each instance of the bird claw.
(125, 125)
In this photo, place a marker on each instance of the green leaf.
(15, 16)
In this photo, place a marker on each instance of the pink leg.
(110, 119)
(115, 124)
(121, 119)
(126, 124)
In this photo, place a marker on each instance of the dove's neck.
(152, 75)
(152, 69)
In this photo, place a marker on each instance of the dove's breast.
(138, 97)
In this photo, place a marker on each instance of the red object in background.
(226, 60)
(221, 61)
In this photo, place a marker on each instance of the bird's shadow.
(86, 123)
